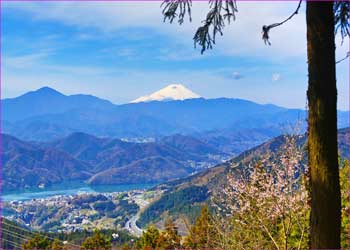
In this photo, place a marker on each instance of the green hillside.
(213, 180)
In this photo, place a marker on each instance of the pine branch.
(220, 11)
(342, 18)
(205, 36)
(176, 8)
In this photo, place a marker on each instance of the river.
(69, 188)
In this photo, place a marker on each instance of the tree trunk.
(322, 127)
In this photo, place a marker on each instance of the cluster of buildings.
(62, 213)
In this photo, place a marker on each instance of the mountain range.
(50, 137)
(46, 114)
(94, 160)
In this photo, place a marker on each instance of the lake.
(69, 188)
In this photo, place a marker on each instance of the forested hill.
(195, 190)
(84, 157)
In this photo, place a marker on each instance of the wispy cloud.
(276, 77)
(112, 50)
(126, 52)
(180, 53)
(37, 62)
(236, 75)
(25, 61)
(241, 37)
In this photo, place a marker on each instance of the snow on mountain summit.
(169, 93)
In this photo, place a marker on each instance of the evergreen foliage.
(97, 241)
(170, 238)
(323, 20)
(183, 201)
(203, 234)
(344, 174)
(149, 238)
(38, 242)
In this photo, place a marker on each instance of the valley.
(94, 141)
(136, 206)
(103, 161)
(184, 198)
(75, 170)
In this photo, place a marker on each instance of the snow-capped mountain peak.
(169, 93)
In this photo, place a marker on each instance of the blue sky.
(122, 50)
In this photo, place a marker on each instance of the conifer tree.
(170, 238)
(57, 245)
(149, 238)
(345, 204)
(323, 20)
(203, 234)
(96, 241)
(38, 242)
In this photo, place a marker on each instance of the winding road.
(131, 226)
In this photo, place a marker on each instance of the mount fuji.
(46, 114)
(171, 92)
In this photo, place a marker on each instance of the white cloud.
(180, 54)
(36, 61)
(123, 86)
(126, 52)
(276, 77)
(237, 75)
(24, 61)
(103, 20)
(241, 37)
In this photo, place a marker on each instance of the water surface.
(69, 188)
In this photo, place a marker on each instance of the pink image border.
(96, 1)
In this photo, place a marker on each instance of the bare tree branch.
(343, 59)
(224, 10)
(266, 29)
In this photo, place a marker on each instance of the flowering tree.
(323, 20)
(344, 173)
(269, 201)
